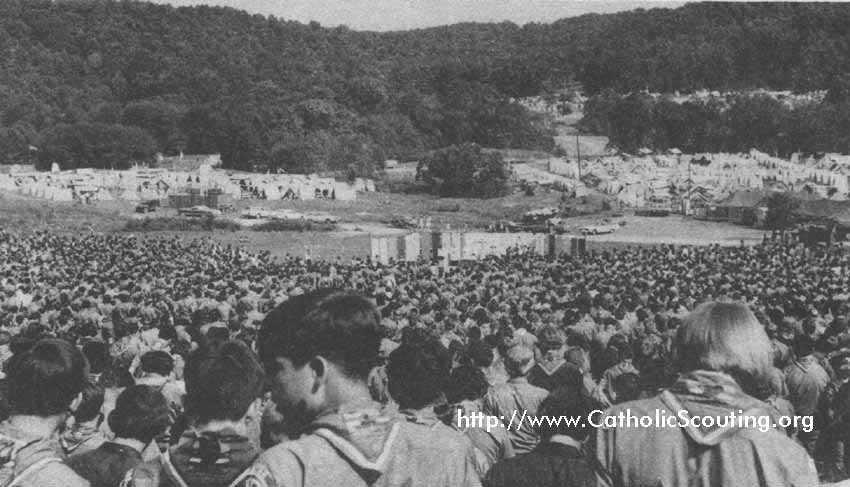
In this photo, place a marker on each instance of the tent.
(61, 194)
(344, 192)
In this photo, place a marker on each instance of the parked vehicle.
(322, 217)
(598, 229)
(405, 223)
(147, 206)
(199, 211)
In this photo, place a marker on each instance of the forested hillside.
(103, 83)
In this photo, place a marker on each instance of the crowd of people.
(160, 362)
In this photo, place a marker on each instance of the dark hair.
(20, 344)
(46, 378)
(116, 376)
(493, 341)
(217, 335)
(141, 413)
(222, 383)
(565, 403)
(809, 325)
(91, 403)
(481, 354)
(550, 338)
(466, 383)
(417, 371)
(626, 386)
(803, 345)
(97, 354)
(341, 326)
(157, 362)
(168, 333)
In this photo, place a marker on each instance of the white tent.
(129, 195)
(306, 192)
(344, 192)
(61, 194)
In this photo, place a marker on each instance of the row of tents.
(145, 184)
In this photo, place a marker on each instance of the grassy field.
(674, 229)
(383, 207)
(29, 214)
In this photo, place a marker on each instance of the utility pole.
(690, 183)
(578, 157)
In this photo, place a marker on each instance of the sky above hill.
(386, 15)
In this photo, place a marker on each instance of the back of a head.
(91, 403)
(116, 376)
(157, 362)
(217, 335)
(565, 403)
(518, 360)
(466, 383)
(481, 354)
(803, 346)
(578, 358)
(417, 372)
(550, 338)
(724, 337)
(141, 413)
(341, 326)
(619, 347)
(222, 383)
(97, 354)
(46, 378)
(627, 387)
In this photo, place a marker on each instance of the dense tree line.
(738, 124)
(106, 83)
(269, 93)
(464, 170)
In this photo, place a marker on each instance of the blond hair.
(724, 337)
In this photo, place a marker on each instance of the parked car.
(147, 206)
(405, 223)
(598, 229)
(320, 218)
(199, 211)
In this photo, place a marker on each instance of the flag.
(32, 148)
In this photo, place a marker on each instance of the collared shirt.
(230, 458)
(174, 391)
(492, 444)
(38, 460)
(106, 465)
(368, 446)
(513, 400)
(724, 453)
(553, 374)
(81, 438)
(806, 381)
(552, 463)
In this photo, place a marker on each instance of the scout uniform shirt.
(200, 459)
(367, 445)
(30, 461)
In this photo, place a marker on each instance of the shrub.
(180, 224)
(293, 226)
